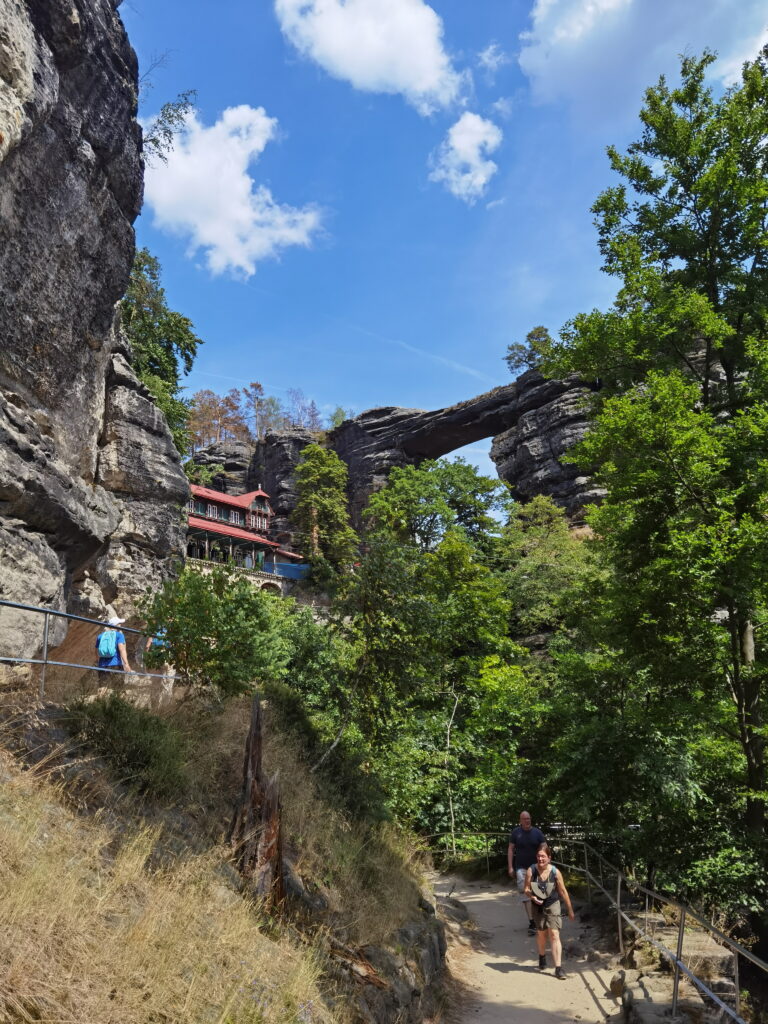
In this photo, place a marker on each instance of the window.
(235, 517)
(252, 521)
(223, 513)
(191, 505)
(211, 511)
(200, 507)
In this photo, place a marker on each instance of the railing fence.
(45, 661)
(599, 873)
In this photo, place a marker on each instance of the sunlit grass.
(93, 936)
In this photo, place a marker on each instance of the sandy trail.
(501, 969)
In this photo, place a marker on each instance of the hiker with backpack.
(110, 645)
(546, 889)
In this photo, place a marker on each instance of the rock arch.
(533, 422)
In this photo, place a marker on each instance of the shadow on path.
(500, 968)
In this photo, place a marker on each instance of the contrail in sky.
(451, 363)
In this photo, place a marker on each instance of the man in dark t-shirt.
(524, 841)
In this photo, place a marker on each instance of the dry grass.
(95, 938)
(106, 920)
(371, 874)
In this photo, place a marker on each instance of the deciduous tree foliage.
(221, 633)
(682, 430)
(322, 515)
(163, 343)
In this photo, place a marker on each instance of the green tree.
(222, 634)
(202, 475)
(527, 355)
(543, 562)
(338, 416)
(163, 343)
(160, 133)
(683, 412)
(321, 514)
(420, 503)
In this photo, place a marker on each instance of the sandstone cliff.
(90, 483)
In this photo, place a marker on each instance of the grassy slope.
(100, 927)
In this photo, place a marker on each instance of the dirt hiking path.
(500, 966)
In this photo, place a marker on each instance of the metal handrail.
(684, 912)
(68, 615)
(45, 660)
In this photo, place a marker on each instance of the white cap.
(115, 621)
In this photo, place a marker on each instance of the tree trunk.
(255, 833)
(746, 684)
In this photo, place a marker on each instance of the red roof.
(238, 500)
(229, 531)
(291, 554)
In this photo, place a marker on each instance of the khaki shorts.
(547, 917)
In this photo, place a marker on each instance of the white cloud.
(205, 193)
(460, 161)
(492, 58)
(390, 46)
(503, 106)
(599, 55)
(730, 66)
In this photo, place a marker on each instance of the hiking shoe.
(531, 929)
(543, 962)
(560, 973)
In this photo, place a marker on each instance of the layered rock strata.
(533, 421)
(90, 483)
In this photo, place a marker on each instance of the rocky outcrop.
(530, 454)
(90, 483)
(272, 468)
(235, 458)
(267, 464)
(534, 421)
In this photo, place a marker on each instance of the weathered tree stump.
(255, 833)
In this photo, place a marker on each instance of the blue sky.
(375, 197)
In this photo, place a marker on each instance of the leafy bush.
(143, 749)
(221, 634)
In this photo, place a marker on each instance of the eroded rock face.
(235, 457)
(90, 483)
(533, 422)
(273, 468)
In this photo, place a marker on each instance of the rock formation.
(90, 483)
(533, 422)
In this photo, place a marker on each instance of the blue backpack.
(108, 644)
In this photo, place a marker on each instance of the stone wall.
(90, 482)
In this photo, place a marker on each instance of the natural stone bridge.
(533, 422)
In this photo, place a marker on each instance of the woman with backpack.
(110, 645)
(545, 886)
